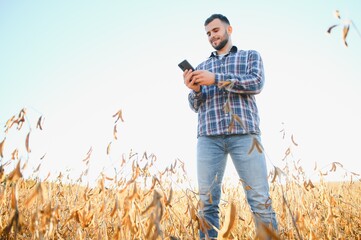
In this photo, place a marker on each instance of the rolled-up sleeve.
(195, 100)
(245, 81)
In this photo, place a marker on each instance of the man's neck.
(225, 50)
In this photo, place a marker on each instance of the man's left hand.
(204, 77)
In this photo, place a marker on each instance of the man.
(223, 92)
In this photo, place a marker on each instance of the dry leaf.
(231, 125)
(115, 208)
(38, 168)
(154, 203)
(308, 184)
(230, 220)
(108, 148)
(239, 120)
(9, 123)
(39, 123)
(108, 178)
(247, 188)
(169, 199)
(203, 224)
(288, 152)
(46, 178)
(210, 197)
(27, 142)
(315, 168)
(88, 154)
(255, 144)
(222, 84)
(115, 132)
(2, 148)
(14, 197)
(333, 169)
(118, 115)
(332, 27)
(277, 172)
(346, 28)
(265, 232)
(25, 165)
(268, 202)
(293, 140)
(330, 216)
(15, 154)
(21, 118)
(15, 174)
(2, 176)
(226, 107)
(38, 190)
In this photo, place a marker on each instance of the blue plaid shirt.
(231, 109)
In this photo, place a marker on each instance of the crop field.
(163, 204)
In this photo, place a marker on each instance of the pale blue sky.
(77, 63)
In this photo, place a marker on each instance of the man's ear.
(229, 29)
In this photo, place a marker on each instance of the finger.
(188, 80)
(185, 73)
(197, 80)
(190, 77)
(197, 72)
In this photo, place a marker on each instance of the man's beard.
(221, 44)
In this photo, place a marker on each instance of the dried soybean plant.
(314, 209)
(142, 201)
(346, 24)
(116, 208)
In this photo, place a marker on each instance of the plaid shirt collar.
(232, 50)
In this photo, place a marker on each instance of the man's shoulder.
(247, 52)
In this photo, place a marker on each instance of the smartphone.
(185, 65)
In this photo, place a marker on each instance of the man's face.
(217, 34)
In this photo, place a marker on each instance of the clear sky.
(79, 62)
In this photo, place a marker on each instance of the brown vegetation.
(159, 206)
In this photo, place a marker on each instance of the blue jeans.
(212, 154)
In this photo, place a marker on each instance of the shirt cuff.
(196, 94)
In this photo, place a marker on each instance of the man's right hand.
(190, 82)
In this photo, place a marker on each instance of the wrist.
(198, 90)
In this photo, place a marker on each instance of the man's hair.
(215, 16)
